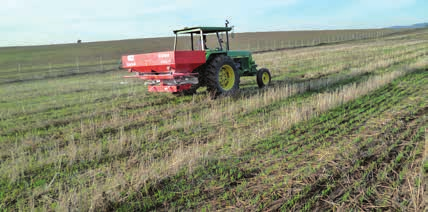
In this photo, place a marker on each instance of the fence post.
(77, 65)
(50, 69)
(19, 71)
(101, 63)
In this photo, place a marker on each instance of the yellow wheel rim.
(226, 77)
(265, 78)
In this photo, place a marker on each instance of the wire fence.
(28, 72)
(275, 44)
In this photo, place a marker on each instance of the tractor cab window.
(213, 41)
(183, 42)
(200, 40)
(205, 42)
(192, 41)
(220, 36)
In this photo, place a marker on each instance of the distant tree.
(79, 41)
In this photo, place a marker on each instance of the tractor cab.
(199, 38)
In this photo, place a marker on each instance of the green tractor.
(184, 71)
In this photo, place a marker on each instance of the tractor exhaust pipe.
(227, 35)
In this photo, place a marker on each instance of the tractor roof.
(204, 30)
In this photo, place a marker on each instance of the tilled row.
(260, 178)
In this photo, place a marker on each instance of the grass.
(341, 127)
(226, 178)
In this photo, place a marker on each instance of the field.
(40, 62)
(343, 126)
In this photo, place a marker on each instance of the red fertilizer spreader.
(169, 71)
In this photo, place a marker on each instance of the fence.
(27, 72)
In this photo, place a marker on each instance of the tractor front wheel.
(222, 76)
(263, 77)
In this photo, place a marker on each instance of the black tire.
(263, 77)
(229, 83)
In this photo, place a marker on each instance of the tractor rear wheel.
(222, 76)
(263, 77)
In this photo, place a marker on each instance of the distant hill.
(414, 26)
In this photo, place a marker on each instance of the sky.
(39, 22)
